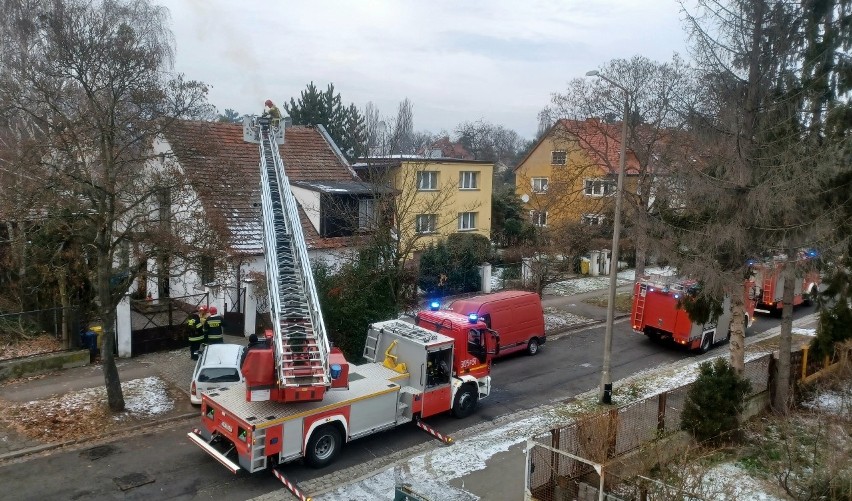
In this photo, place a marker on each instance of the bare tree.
(92, 79)
(656, 93)
(401, 141)
(408, 218)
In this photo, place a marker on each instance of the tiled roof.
(448, 149)
(223, 169)
(602, 142)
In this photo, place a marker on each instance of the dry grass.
(623, 301)
(44, 343)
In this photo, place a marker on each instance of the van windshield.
(219, 375)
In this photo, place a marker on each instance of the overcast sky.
(498, 60)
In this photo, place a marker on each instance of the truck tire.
(465, 402)
(323, 446)
(532, 347)
(706, 343)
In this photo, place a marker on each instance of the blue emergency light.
(472, 317)
(812, 253)
(434, 305)
(677, 296)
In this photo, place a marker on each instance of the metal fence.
(59, 323)
(561, 464)
(506, 276)
(160, 324)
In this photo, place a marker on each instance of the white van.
(217, 367)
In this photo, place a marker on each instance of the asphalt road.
(162, 464)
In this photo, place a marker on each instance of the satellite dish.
(525, 198)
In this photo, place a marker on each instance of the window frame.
(540, 189)
(367, 216)
(431, 218)
(473, 175)
(599, 219)
(432, 175)
(554, 155)
(603, 183)
(535, 218)
(463, 217)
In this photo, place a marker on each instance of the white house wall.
(310, 202)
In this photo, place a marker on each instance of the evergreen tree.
(345, 125)
(715, 401)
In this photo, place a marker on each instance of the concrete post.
(607, 261)
(215, 295)
(123, 328)
(526, 270)
(485, 274)
(250, 315)
(594, 263)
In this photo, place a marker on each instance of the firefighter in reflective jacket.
(214, 326)
(196, 331)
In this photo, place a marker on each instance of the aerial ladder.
(297, 367)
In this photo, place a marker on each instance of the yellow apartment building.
(435, 196)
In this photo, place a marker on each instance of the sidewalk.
(174, 368)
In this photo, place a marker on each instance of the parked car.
(218, 366)
(517, 316)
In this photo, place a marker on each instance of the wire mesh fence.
(61, 324)
(561, 463)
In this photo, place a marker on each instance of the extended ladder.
(300, 341)
(639, 310)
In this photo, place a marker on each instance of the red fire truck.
(769, 282)
(657, 313)
(301, 398)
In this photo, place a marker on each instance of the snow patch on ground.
(838, 402)
(728, 480)
(431, 472)
(555, 319)
(143, 398)
(804, 332)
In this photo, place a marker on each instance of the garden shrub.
(715, 401)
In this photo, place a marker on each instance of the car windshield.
(219, 375)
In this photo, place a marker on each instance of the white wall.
(310, 202)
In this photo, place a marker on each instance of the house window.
(539, 184)
(599, 187)
(206, 271)
(558, 157)
(427, 223)
(366, 214)
(467, 180)
(593, 219)
(467, 221)
(427, 180)
(539, 218)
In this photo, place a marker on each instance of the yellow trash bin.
(584, 266)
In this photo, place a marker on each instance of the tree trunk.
(115, 397)
(785, 340)
(737, 342)
(641, 245)
(66, 306)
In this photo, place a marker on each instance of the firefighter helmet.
(213, 310)
(268, 103)
(202, 309)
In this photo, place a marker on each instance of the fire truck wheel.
(706, 341)
(323, 447)
(532, 347)
(465, 402)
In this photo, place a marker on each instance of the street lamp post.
(606, 376)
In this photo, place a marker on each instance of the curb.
(91, 438)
